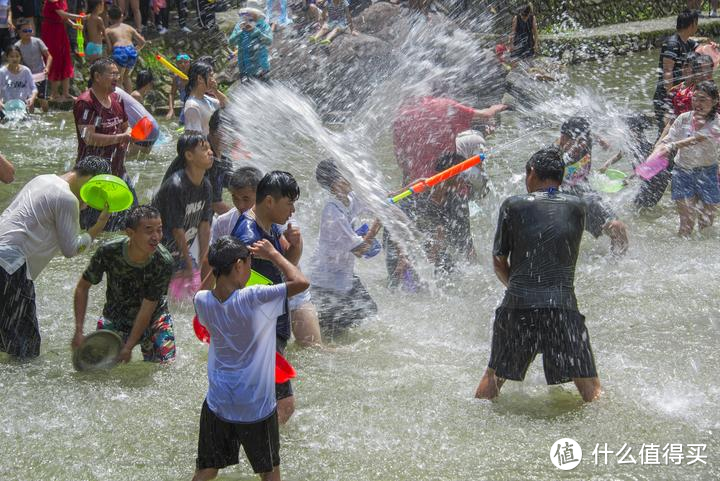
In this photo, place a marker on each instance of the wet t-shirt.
(32, 54)
(540, 233)
(183, 205)
(110, 121)
(249, 232)
(129, 283)
(16, 86)
(675, 49)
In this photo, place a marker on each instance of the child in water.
(36, 57)
(694, 137)
(240, 408)
(185, 202)
(341, 298)
(275, 198)
(95, 28)
(576, 144)
(242, 186)
(121, 39)
(16, 81)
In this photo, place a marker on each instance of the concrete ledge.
(619, 39)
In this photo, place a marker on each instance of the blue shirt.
(249, 232)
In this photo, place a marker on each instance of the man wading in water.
(535, 251)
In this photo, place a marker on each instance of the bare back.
(95, 29)
(120, 34)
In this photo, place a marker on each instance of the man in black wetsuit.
(536, 248)
(673, 53)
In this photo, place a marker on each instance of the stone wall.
(582, 13)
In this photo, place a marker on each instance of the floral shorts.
(158, 341)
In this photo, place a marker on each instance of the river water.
(394, 399)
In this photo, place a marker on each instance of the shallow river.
(394, 400)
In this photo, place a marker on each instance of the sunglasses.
(182, 57)
(27, 30)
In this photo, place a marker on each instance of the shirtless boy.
(121, 39)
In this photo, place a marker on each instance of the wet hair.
(576, 127)
(547, 163)
(686, 19)
(114, 13)
(277, 184)
(527, 9)
(144, 77)
(709, 88)
(224, 253)
(138, 213)
(244, 177)
(327, 173)
(187, 142)
(93, 4)
(91, 165)
(99, 66)
(700, 61)
(197, 69)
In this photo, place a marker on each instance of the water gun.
(446, 174)
(80, 39)
(171, 67)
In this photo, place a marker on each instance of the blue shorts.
(701, 182)
(93, 48)
(340, 24)
(157, 342)
(125, 57)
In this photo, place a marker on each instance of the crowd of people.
(534, 253)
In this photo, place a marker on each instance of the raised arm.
(368, 239)
(294, 248)
(295, 281)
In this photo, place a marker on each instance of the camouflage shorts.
(158, 341)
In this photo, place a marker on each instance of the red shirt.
(113, 120)
(424, 129)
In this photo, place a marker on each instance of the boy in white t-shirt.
(242, 187)
(340, 297)
(240, 408)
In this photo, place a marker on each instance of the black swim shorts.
(559, 334)
(19, 330)
(219, 442)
